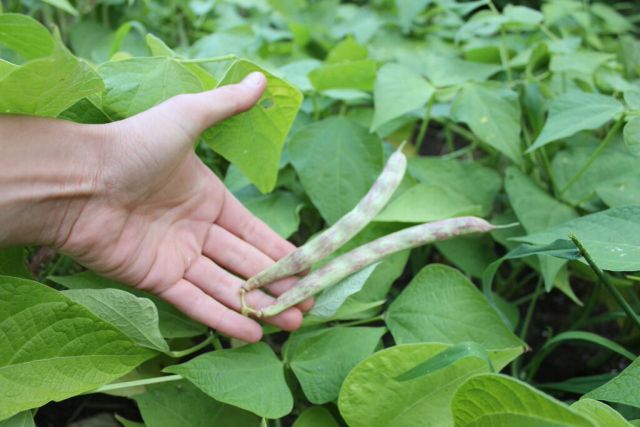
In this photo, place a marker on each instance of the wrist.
(49, 170)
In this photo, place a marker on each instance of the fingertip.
(306, 305)
(255, 80)
(253, 335)
(290, 320)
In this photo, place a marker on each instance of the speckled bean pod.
(357, 259)
(342, 231)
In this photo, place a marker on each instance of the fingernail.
(254, 79)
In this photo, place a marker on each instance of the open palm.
(163, 222)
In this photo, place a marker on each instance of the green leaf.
(534, 208)
(578, 385)
(398, 90)
(48, 86)
(345, 75)
(91, 40)
(441, 305)
(183, 404)
(521, 15)
(173, 324)
(537, 211)
(23, 419)
(280, 210)
(621, 389)
(448, 71)
(297, 73)
(632, 98)
(614, 21)
(471, 254)
(137, 84)
(477, 183)
(6, 68)
(500, 401)
(337, 161)
(63, 5)
(347, 50)
(612, 165)
(25, 36)
(371, 396)
(446, 358)
(85, 111)
(127, 423)
(13, 263)
(159, 48)
(316, 416)
(249, 377)
(52, 348)
(612, 237)
(253, 140)
(631, 135)
(135, 317)
(601, 413)
(329, 301)
(621, 191)
(408, 10)
(588, 337)
(580, 62)
(575, 111)
(424, 203)
(493, 115)
(322, 361)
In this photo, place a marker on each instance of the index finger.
(237, 219)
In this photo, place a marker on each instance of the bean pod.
(342, 231)
(359, 258)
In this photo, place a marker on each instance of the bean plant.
(512, 129)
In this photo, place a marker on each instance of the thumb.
(199, 111)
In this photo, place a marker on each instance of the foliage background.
(515, 114)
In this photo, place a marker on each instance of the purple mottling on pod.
(357, 259)
(342, 231)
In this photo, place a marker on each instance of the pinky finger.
(196, 304)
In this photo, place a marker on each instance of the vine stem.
(612, 289)
(363, 321)
(515, 367)
(137, 383)
(425, 124)
(504, 54)
(605, 142)
(181, 353)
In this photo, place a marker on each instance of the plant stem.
(515, 367)
(137, 383)
(56, 264)
(588, 308)
(463, 132)
(532, 305)
(612, 289)
(424, 125)
(181, 353)
(504, 54)
(605, 142)
(547, 166)
(363, 321)
(461, 152)
(316, 106)
(533, 366)
(216, 343)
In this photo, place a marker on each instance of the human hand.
(161, 221)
